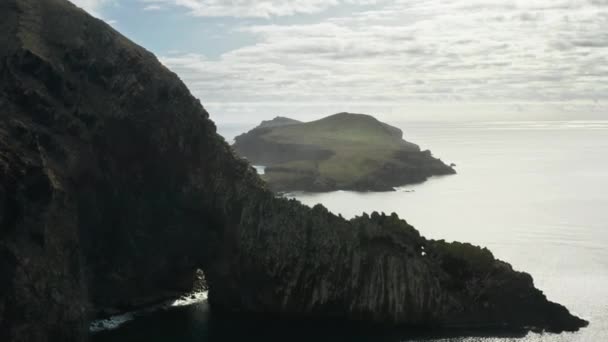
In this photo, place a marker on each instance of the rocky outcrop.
(115, 189)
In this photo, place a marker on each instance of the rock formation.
(343, 151)
(115, 189)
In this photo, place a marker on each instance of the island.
(116, 192)
(344, 151)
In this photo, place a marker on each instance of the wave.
(117, 321)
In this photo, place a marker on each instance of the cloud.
(426, 51)
(361, 54)
(153, 8)
(255, 8)
(91, 6)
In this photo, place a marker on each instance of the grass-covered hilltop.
(340, 152)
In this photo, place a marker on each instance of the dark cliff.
(115, 188)
(343, 151)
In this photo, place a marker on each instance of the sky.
(420, 60)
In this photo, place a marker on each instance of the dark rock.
(115, 189)
(200, 282)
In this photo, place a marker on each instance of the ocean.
(534, 192)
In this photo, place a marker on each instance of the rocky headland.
(343, 151)
(115, 190)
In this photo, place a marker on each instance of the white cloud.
(91, 6)
(256, 8)
(153, 8)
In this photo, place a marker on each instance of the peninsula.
(340, 152)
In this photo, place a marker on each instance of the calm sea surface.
(535, 193)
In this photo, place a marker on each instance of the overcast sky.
(400, 60)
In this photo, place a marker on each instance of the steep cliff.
(115, 188)
(343, 151)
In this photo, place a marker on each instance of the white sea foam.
(404, 189)
(117, 321)
(111, 323)
(194, 298)
(260, 169)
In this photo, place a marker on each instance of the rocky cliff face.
(115, 188)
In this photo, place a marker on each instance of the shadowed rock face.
(115, 189)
